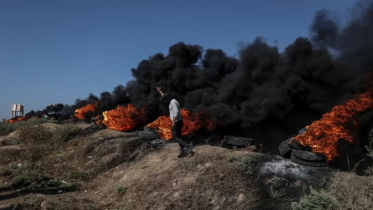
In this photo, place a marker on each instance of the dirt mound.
(117, 170)
(82, 125)
(107, 153)
(214, 178)
(15, 134)
(110, 134)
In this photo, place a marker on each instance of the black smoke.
(353, 42)
(105, 102)
(263, 93)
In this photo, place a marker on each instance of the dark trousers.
(176, 135)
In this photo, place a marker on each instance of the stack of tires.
(300, 154)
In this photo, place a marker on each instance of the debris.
(238, 141)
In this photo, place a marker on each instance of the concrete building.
(17, 111)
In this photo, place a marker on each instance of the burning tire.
(285, 149)
(307, 163)
(309, 156)
(148, 135)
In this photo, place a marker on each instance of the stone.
(241, 198)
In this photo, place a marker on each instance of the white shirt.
(175, 110)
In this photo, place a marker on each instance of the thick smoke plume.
(262, 88)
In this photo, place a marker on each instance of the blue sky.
(55, 51)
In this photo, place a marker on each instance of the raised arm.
(159, 90)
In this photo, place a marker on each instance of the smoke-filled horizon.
(311, 75)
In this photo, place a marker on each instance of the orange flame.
(79, 113)
(122, 118)
(14, 120)
(191, 123)
(322, 135)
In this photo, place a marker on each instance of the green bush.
(244, 163)
(317, 200)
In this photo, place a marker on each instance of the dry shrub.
(7, 128)
(29, 175)
(65, 133)
(35, 135)
(98, 156)
(134, 149)
(41, 140)
(347, 192)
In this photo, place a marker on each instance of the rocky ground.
(77, 166)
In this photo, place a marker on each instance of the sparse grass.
(317, 200)
(121, 190)
(232, 158)
(244, 163)
(7, 128)
(78, 175)
(276, 194)
(26, 174)
(36, 135)
(36, 202)
(193, 162)
(30, 175)
(65, 133)
(41, 140)
(91, 206)
(31, 202)
(143, 166)
(217, 185)
(53, 138)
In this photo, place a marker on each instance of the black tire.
(149, 129)
(307, 163)
(148, 135)
(295, 145)
(309, 156)
(302, 131)
(285, 149)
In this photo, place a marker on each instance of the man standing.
(176, 122)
